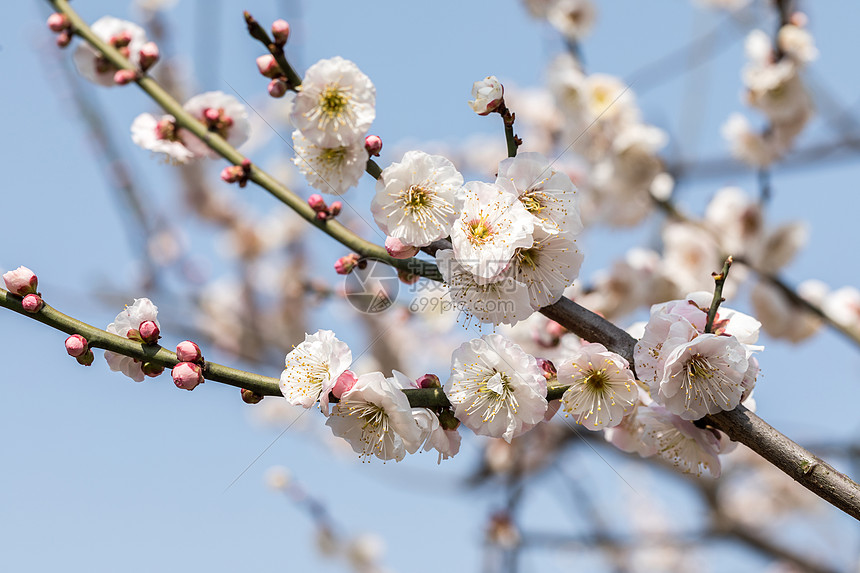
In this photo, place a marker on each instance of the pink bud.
(122, 39)
(76, 345)
(251, 397)
(345, 264)
(373, 144)
(21, 281)
(317, 203)
(211, 114)
(322, 215)
(232, 174)
(86, 359)
(123, 77)
(152, 369)
(398, 250)
(334, 209)
(344, 383)
(187, 351)
(268, 66)
(799, 19)
(148, 55)
(64, 38)
(187, 375)
(32, 303)
(548, 369)
(280, 31)
(555, 330)
(428, 381)
(149, 332)
(277, 88)
(58, 22)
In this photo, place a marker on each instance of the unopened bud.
(373, 145)
(397, 249)
(152, 369)
(317, 203)
(251, 397)
(344, 383)
(277, 88)
(448, 421)
(799, 19)
(280, 31)
(428, 381)
(22, 281)
(58, 22)
(232, 174)
(86, 359)
(187, 351)
(149, 54)
(76, 345)
(123, 77)
(64, 39)
(547, 368)
(32, 303)
(334, 209)
(149, 332)
(187, 375)
(268, 66)
(345, 264)
(211, 114)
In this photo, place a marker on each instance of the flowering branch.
(275, 48)
(720, 280)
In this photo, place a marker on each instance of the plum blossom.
(335, 104)
(434, 436)
(374, 416)
(22, 281)
(330, 169)
(160, 135)
(489, 95)
(492, 225)
(573, 18)
(547, 267)
(418, 199)
(602, 386)
(222, 114)
(496, 389)
(127, 324)
(312, 369)
(126, 37)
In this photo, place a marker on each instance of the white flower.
(312, 369)
(545, 193)
(488, 94)
(505, 301)
(127, 324)
(680, 442)
(417, 199)
(335, 104)
(220, 113)
(777, 90)
(602, 387)
(573, 18)
(797, 43)
(748, 145)
(127, 37)
(842, 306)
(331, 170)
(496, 389)
(492, 225)
(547, 267)
(375, 418)
(434, 436)
(160, 136)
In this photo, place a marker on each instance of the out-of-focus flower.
(221, 114)
(160, 136)
(127, 324)
(573, 18)
(126, 37)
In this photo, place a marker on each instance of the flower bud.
(428, 381)
(211, 114)
(548, 369)
(488, 94)
(268, 66)
(277, 88)
(123, 77)
(397, 249)
(187, 375)
(152, 369)
(317, 203)
(232, 174)
(22, 281)
(187, 351)
(149, 332)
(373, 145)
(86, 359)
(345, 264)
(280, 31)
(76, 345)
(58, 22)
(32, 303)
(334, 209)
(149, 54)
(251, 397)
(64, 39)
(344, 383)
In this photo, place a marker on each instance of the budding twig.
(258, 33)
(720, 280)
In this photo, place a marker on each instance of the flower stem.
(719, 280)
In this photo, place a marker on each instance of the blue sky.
(105, 474)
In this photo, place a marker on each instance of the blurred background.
(102, 473)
